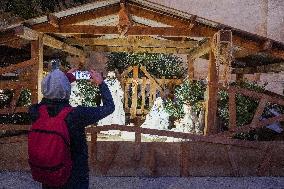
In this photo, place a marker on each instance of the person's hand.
(96, 77)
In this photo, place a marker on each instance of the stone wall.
(255, 16)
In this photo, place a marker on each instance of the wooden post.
(37, 57)
(211, 101)
(134, 93)
(232, 110)
(239, 77)
(94, 151)
(184, 159)
(138, 138)
(143, 94)
(190, 62)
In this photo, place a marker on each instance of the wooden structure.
(199, 156)
(142, 26)
(144, 89)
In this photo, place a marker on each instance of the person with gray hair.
(56, 90)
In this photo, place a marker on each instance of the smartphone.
(82, 74)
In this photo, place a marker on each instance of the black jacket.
(77, 120)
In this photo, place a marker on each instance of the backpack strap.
(43, 113)
(64, 112)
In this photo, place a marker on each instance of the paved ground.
(23, 180)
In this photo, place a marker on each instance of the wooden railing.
(263, 99)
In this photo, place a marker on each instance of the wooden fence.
(141, 93)
(256, 122)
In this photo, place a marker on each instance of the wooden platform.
(166, 159)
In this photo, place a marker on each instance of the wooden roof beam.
(79, 17)
(19, 32)
(26, 33)
(141, 50)
(158, 16)
(133, 41)
(57, 44)
(15, 67)
(204, 48)
(134, 30)
(277, 67)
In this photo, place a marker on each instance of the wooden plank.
(26, 33)
(232, 161)
(90, 15)
(258, 112)
(94, 148)
(126, 72)
(190, 63)
(109, 158)
(15, 99)
(202, 49)
(54, 43)
(232, 110)
(138, 138)
(264, 165)
(143, 94)
(199, 138)
(14, 84)
(247, 128)
(126, 95)
(170, 50)
(152, 78)
(37, 57)
(12, 127)
(211, 99)
(134, 93)
(152, 161)
(16, 67)
(277, 67)
(134, 30)
(153, 91)
(17, 110)
(184, 172)
(16, 33)
(257, 95)
(158, 16)
(142, 41)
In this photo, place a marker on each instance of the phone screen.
(82, 75)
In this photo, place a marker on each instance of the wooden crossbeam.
(133, 41)
(15, 67)
(277, 67)
(53, 20)
(204, 48)
(90, 15)
(54, 43)
(19, 32)
(12, 127)
(134, 30)
(141, 50)
(258, 95)
(26, 33)
(158, 16)
(17, 110)
(14, 85)
(193, 137)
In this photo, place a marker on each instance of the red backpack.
(49, 148)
